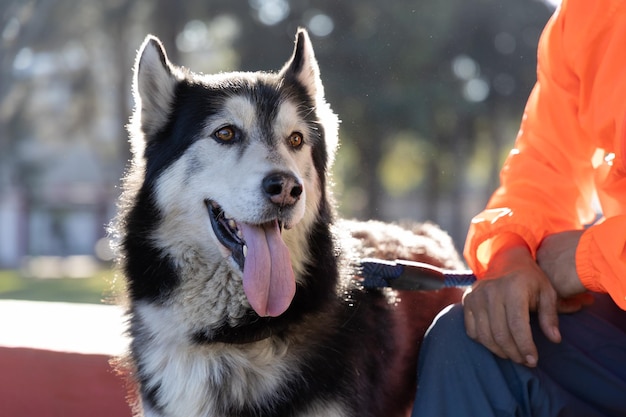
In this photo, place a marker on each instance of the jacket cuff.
(488, 234)
(586, 251)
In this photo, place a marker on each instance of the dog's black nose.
(282, 188)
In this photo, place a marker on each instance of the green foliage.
(99, 288)
(401, 169)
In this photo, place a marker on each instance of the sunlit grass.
(99, 288)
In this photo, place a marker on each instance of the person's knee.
(445, 341)
(448, 325)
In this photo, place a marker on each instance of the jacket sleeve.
(547, 181)
(601, 258)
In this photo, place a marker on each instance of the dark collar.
(250, 331)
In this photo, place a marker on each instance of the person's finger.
(519, 325)
(586, 298)
(568, 305)
(469, 305)
(470, 323)
(503, 334)
(491, 326)
(547, 314)
(484, 334)
(477, 320)
(574, 303)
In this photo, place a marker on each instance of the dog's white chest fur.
(196, 380)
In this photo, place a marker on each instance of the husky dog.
(242, 296)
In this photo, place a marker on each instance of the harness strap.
(408, 275)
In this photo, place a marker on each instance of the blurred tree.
(430, 93)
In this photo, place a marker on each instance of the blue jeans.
(584, 375)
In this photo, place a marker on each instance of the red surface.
(41, 383)
(43, 373)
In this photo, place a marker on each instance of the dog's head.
(235, 165)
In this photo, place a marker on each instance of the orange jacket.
(570, 147)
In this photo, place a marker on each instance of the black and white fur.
(255, 148)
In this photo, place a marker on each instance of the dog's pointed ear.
(154, 82)
(303, 66)
(303, 69)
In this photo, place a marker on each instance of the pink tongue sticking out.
(268, 279)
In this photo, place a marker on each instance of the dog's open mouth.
(263, 257)
(227, 232)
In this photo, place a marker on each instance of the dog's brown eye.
(225, 134)
(295, 140)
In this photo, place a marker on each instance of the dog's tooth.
(245, 251)
(232, 224)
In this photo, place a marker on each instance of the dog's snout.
(282, 188)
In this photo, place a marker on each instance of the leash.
(408, 275)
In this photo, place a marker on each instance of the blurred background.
(430, 94)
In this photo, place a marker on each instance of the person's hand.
(497, 308)
(557, 258)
